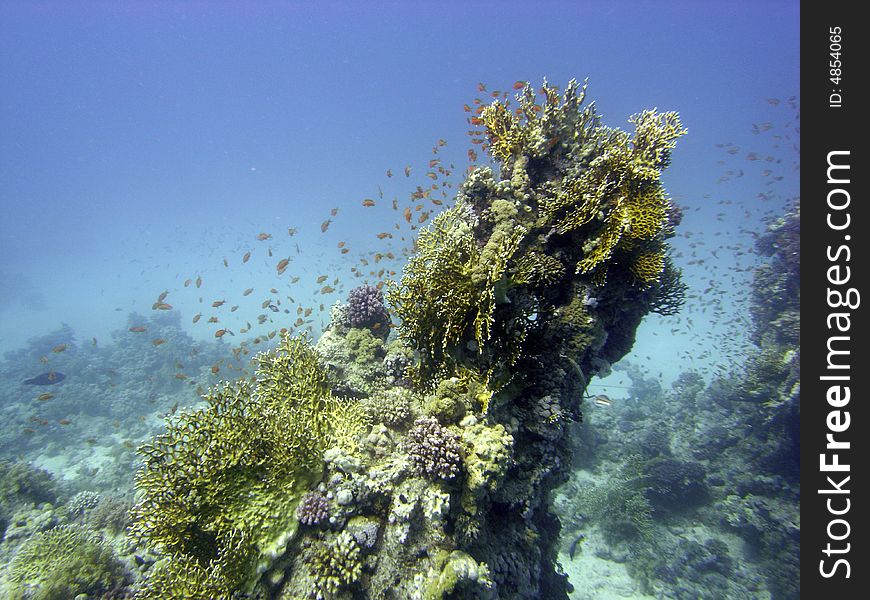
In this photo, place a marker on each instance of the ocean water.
(159, 160)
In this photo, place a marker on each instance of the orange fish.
(327, 289)
(213, 320)
(221, 332)
(138, 329)
(518, 85)
(45, 396)
(161, 306)
(282, 265)
(59, 348)
(197, 317)
(262, 237)
(385, 234)
(481, 87)
(158, 341)
(466, 108)
(162, 296)
(407, 214)
(64, 421)
(423, 217)
(322, 278)
(368, 202)
(217, 303)
(215, 369)
(246, 257)
(325, 225)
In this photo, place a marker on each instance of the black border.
(825, 129)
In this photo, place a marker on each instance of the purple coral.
(435, 451)
(313, 509)
(365, 308)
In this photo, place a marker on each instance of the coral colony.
(307, 486)
(423, 464)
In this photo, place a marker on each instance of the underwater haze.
(184, 182)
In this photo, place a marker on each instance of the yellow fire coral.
(219, 488)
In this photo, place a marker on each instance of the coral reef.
(220, 488)
(64, 562)
(434, 450)
(713, 475)
(535, 279)
(365, 308)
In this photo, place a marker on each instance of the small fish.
(262, 237)
(247, 292)
(59, 348)
(602, 400)
(162, 296)
(407, 214)
(64, 421)
(291, 231)
(333, 212)
(197, 317)
(384, 235)
(226, 263)
(199, 282)
(161, 306)
(408, 171)
(218, 303)
(368, 202)
(45, 396)
(138, 329)
(327, 289)
(322, 278)
(282, 265)
(325, 225)
(246, 257)
(518, 85)
(187, 282)
(575, 544)
(273, 308)
(158, 341)
(221, 332)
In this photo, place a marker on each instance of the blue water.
(144, 148)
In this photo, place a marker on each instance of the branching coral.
(64, 562)
(334, 566)
(223, 482)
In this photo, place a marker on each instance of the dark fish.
(49, 378)
(273, 308)
(575, 545)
